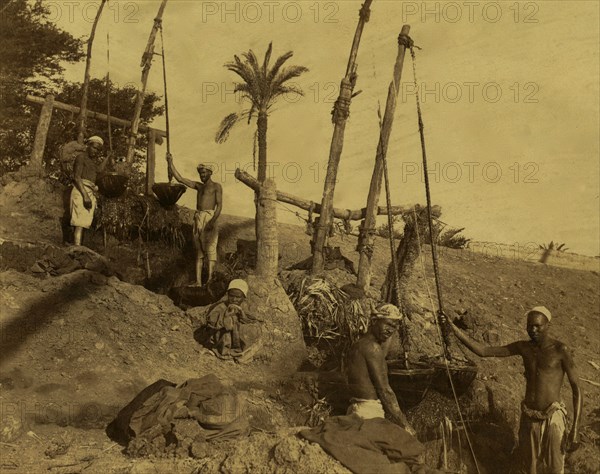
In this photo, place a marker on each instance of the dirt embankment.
(78, 343)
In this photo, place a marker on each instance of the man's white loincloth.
(366, 409)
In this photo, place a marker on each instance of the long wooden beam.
(96, 115)
(353, 215)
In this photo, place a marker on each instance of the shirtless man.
(208, 210)
(83, 199)
(372, 396)
(543, 416)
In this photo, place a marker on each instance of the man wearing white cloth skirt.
(83, 198)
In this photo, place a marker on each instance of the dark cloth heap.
(369, 446)
(167, 419)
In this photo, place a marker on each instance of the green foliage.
(453, 239)
(383, 230)
(64, 127)
(32, 52)
(445, 237)
(261, 86)
(131, 217)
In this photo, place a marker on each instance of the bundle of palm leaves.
(327, 312)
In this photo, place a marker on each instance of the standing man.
(208, 209)
(542, 442)
(83, 198)
(372, 396)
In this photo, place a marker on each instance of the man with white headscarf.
(83, 198)
(542, 430)
(209, 202)
(370, 391)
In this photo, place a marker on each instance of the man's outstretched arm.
(188, 182)
(481, 349)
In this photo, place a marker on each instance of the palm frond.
(278, 63)
(242, 69)
(225, 127)
(288, 73)
(267, 58)
(251, 112)
(284, 90)
(252, 61)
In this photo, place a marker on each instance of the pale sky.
(510, 97)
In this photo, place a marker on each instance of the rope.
(162, 46)
(436, 270)
(441, 333)
(110, 141)
(447, 365)
(390, 220)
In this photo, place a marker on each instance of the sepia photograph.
(310, 236)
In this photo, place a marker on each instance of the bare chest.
(542, 361)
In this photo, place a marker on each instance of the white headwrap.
(542, 310)
(238, 285)
(95, 139)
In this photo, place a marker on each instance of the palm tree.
(262, 87)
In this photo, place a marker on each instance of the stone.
(143, 467)
(11, 428)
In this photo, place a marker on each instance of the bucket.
(168, 194)
(463, 374)
(410, 384)
(112, 185)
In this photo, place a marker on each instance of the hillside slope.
(77, 346)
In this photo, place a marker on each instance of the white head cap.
(238, 284)
(542, 310)
(95, 139)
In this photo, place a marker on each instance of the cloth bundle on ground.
(369, 446)
(216, 412)
(231, 333)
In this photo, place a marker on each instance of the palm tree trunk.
(262, 146)
(267, 248)
(261, 124)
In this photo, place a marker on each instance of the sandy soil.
(80, 339)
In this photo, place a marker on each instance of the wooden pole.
(150, 161)
(36, 161)
(145, 64)
(367, 240)
(267, 247)
(95, 115)
(341, 111)
(86, 78)
(346, 214)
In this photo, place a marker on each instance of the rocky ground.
(80, 337)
